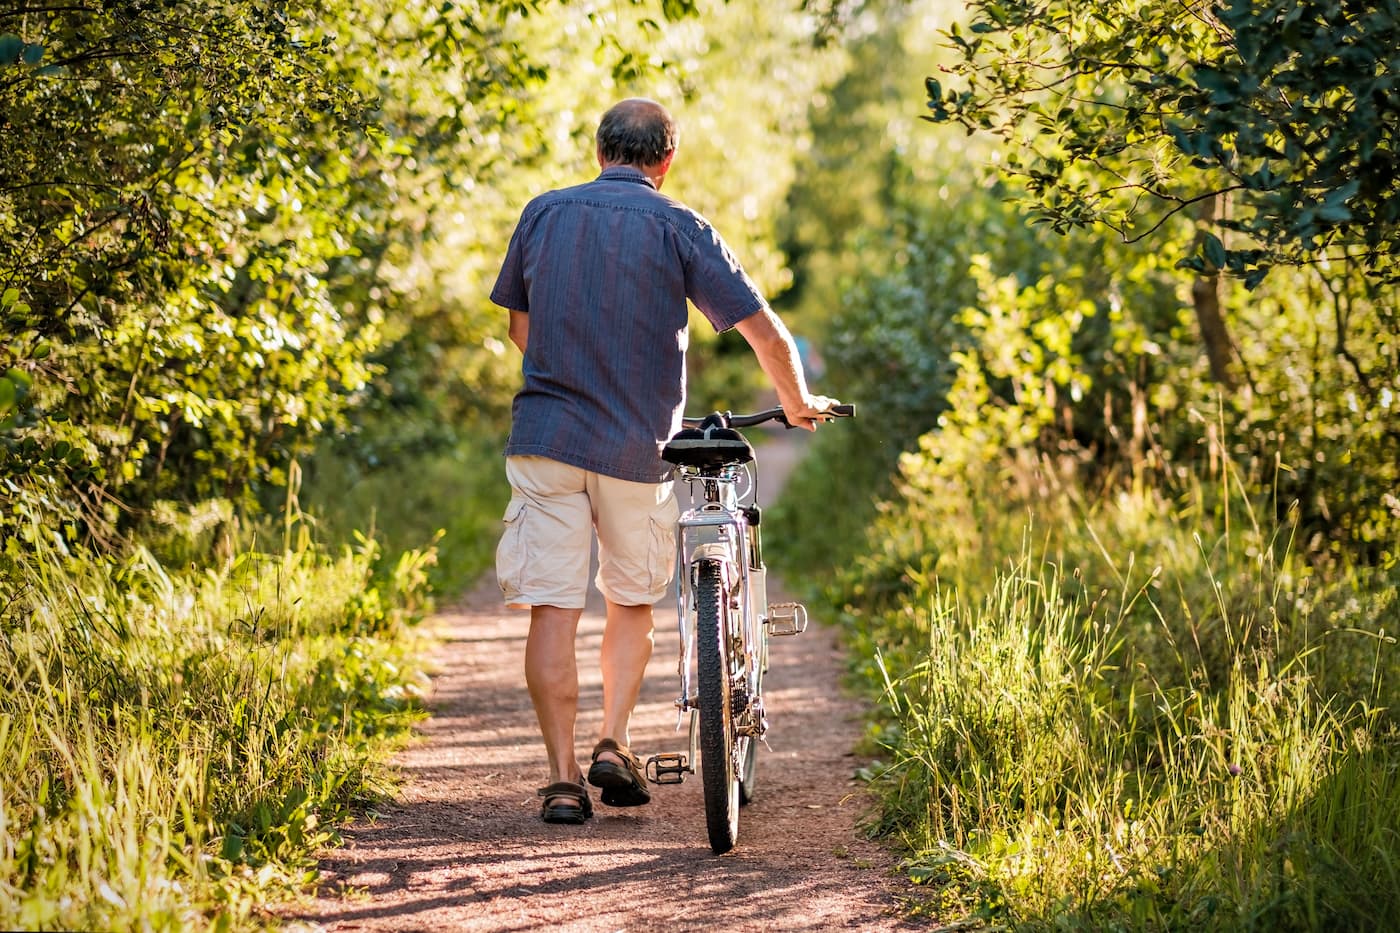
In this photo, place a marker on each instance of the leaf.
(7, 395)
(675, 10)
(20, 380)
(1215, 251)
(1334, 213)
(11, 47)
(1334, 208)
(232, 847)
(33, 54)
(1253, 277)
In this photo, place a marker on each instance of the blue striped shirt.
(604, 270)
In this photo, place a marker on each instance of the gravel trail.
(463, 848)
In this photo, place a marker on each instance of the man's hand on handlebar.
(814, 410)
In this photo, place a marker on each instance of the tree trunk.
(1205, 296)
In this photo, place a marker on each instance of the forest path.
(463, 848)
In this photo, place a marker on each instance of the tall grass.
(1126, 712)
(176, 746)
(450, 498)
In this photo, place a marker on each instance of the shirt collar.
(625, 173)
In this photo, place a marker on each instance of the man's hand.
(813, 410)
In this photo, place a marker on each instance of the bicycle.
(724, 617)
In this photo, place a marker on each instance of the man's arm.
(519, 329)
(777, 354)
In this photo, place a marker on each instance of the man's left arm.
(777, 354)
(519, 329)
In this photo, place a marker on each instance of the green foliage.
(1049, 780)
(452, 499)
(1126, 113)
(958, 317)
(170, 215)
(181, 745)
(224, 234)
(1132, 636)
(1127, 713)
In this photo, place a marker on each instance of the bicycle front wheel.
(718, 773)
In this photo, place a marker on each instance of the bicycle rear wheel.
(718, 772)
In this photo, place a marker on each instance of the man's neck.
(654, 173)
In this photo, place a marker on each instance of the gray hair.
(636, 131)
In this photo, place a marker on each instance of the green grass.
(1121, 712)
(184, 728)
(451, 499)
(177, 746)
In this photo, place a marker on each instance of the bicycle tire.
(717, 768)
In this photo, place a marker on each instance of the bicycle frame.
(718, 530)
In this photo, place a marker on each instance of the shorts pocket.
(661, 555)
(511, 553)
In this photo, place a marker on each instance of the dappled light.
(1112, 552)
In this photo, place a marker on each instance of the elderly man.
(596, 279)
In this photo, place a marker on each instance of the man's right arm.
(777, 354)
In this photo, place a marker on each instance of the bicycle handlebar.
(731, 420)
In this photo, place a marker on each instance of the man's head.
(640, 133)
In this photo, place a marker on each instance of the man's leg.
(636, 551)
(627, 643)
(551, 672)
(542, 562)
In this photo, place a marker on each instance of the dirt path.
(464, 849)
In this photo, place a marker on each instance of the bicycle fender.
(719, 551)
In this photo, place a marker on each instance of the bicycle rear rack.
(786, 619)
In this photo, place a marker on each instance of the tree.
(199, 212)
(1128, 113)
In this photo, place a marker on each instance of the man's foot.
(565, 802)
(618, 772)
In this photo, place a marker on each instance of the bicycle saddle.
(710, 446)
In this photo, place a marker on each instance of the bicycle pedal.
(786, 619)
(668, 768)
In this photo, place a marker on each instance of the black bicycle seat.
(710, 446)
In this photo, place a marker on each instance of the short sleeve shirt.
(604, 270)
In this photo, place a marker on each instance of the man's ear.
(657, 172)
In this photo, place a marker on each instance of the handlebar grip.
(844, 410)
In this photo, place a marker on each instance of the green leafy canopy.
(1126, 113)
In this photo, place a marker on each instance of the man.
(596, 279)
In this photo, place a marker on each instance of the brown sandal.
(575, 812)
(623, 785)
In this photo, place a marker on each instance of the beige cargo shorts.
(543, 556)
